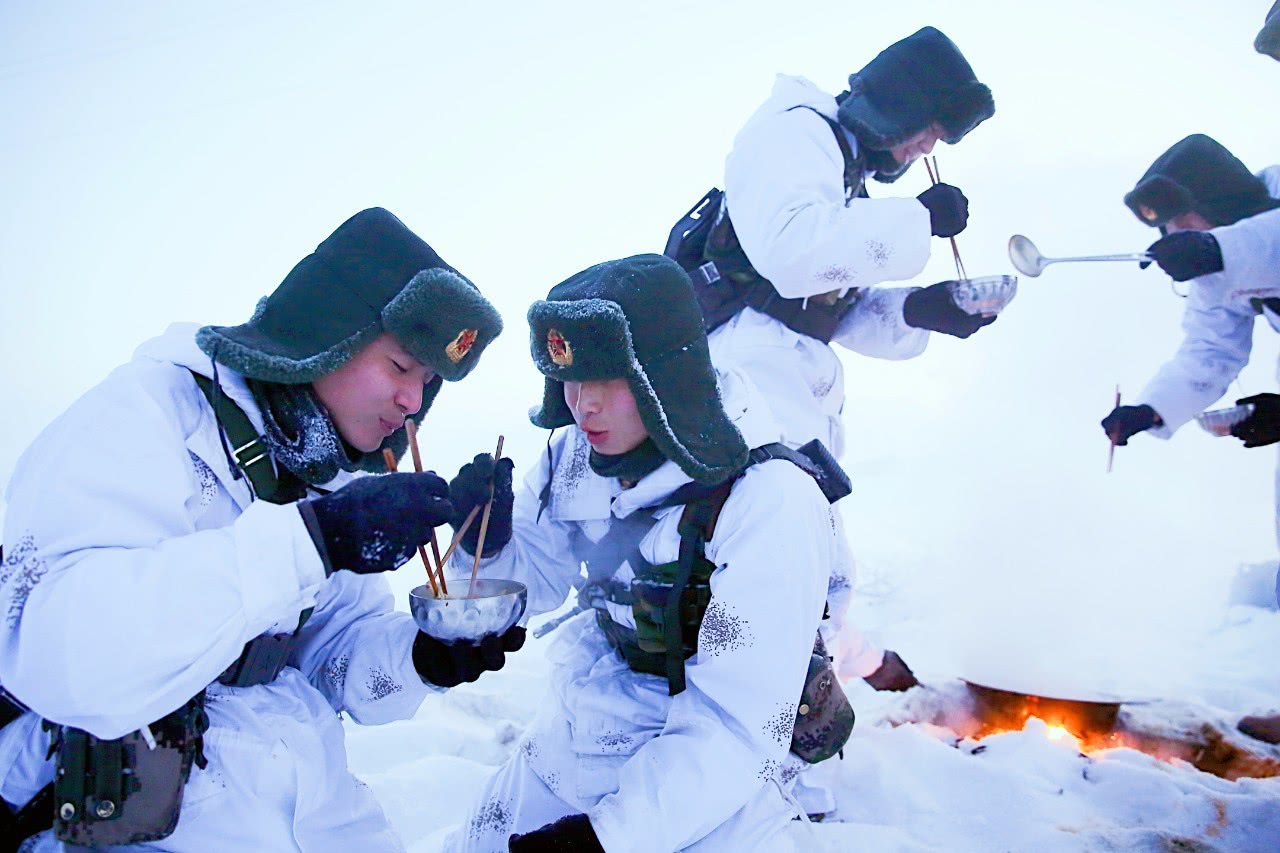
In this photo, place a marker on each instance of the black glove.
(571, 834)
(934, 309)
(1263, 426)
(948, 209)
(893, 674)
(1125, 422)
(471, 488)
(449, 665)
(373, 524)
(1185, 255)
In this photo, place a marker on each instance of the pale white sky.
(164, 161)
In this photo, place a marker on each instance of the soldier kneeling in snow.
(686, 697)
(192, 579)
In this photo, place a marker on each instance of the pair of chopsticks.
(436, 580)
(935, 176)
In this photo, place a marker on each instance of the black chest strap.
(264, 657)
(702, 507)
(249, 453)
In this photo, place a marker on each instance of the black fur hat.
(922, 79)
(637, 319)
(1198, 174)
(371, 275)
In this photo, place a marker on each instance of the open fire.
(1165, 731)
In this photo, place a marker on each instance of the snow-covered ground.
(917, 786)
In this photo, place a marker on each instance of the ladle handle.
(1136, 256)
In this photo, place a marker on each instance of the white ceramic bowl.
(495, 607)
(986, 295)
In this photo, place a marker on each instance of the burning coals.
(1168, 731)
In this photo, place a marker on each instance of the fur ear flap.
(964, 110)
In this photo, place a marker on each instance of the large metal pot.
(1007, 709)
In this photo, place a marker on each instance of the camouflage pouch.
(127, 790)
(824, 718)
(650, 592)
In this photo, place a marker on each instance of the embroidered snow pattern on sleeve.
(878, 253)
(780, 726)
(835, 275)
(723, 630)
(769, 769)
(381, 685)
(335, 672)
(19, 573)
(493, 818)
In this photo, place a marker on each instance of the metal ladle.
(1028, 260)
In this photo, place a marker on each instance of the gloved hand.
(471, 488)
(948, 209)
(934, 309)
(1125, 422)
(373, 524)
(893, 674)
(1263, 426)
(449, 665)
(1185, 255)
(571, 834)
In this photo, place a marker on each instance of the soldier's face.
(1189, 221)
(917, 146)
(606, 411)
(369, 397)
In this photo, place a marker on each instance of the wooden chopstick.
(935, 177)
(484, 521)
(411, 429)
(389, 459)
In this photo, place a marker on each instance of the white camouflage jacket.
(656, 772)
(784, 189)
(136, 568)
(1219, 317)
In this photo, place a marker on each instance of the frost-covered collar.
(177, 346)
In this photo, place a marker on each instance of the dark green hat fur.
(372, 275)
(1198, 174)
(922, 79)
(637, 319)
(1268, 40)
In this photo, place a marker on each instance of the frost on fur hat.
(371, 275)
(1198, 174)
(637, 319)
(922, 79)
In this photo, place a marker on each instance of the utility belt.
(129, 790)
(669, 601)
(126, 790)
